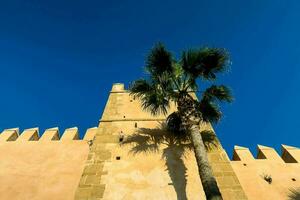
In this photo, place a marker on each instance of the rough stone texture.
(45, 168)
(90, 186)
(285, 174)
(102, 166)
(140, 170)
(226, 178)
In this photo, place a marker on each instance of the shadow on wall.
(294, 194)
(147, 140)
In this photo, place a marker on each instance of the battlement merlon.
(269, 153)
(9, 134)
(51, 134)
(289, 154)
(118, 87)
(242, 153)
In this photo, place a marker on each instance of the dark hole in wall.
(118, 158)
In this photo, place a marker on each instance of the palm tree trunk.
(191, 120)
(208, 181)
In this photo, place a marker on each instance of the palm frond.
(155, 102)
(140, 87)
(210, 111)
(154, 97)
(174, 123)
(159, 60)
(205, 62)
(209, 139)
(214, 60)
(191, 62)
(220, 93)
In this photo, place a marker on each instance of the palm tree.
(173, 80)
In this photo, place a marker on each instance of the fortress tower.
(130, 156)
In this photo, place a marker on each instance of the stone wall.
(36, 168)
(131, 156)
(254, 174)
(143, 165)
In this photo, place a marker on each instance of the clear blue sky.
(58, 60)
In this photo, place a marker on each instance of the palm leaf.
(159, 61)
(205, 62)
(140, 87)
(209, 139)
(210, 112)
(153, 97)
(220, 93)
(155, 102)
(174, 123)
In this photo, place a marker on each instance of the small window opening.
(293, 179)
(135, 125)
(118, 158)
(245, 164)
(121, 138)
(124, 116)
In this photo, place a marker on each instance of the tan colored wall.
(102, 167)
(283, 169)
(41, 168)
(145, 170)
(139, 173)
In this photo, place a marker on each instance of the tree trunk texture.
(209, 183)
(191, 119)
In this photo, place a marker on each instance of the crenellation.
(50, 134)
(31, 134)
(290, 154)
(264, 153)
(283, 171)
(242, 153)
(70, 134)
(90, 134)
(105, 164)
(9, 135)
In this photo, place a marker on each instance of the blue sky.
(58, 60)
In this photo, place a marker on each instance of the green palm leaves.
(168, 79)
(159, 61)
(152, 95)
(171, 80)
(208, 104)
(205, 63)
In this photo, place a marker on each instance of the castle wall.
(131, 156)
(284, 171)
(41, 168)
(143, 167)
